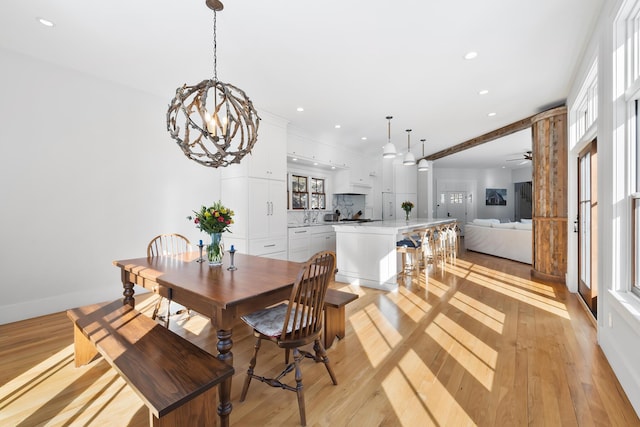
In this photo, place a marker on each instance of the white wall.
(618, 318)
(476, 181)
(89, 175)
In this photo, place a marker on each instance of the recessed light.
(364, 138)
(491, 114)
(294, 159)
(45, 22)
(333, 167)
(471, 55)
(300, 109)
(315, 163)
(483, 92)
(337, 126)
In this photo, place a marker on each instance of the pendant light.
(213, 123)
(389, 150)
(423, 166)
(409, 158)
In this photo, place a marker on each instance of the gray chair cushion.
(269, 321)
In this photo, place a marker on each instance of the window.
(299, 192)
(635, 221)
(635, 213)
(632, 95)
(318, 196)
(456, 198)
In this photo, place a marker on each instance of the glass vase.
(407, 215)
(215, 250)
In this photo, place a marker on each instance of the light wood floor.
(481, 344)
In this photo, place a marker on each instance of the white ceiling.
(346, 62)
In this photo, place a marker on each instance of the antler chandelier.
(219, 122)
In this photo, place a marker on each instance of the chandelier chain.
(215, 48)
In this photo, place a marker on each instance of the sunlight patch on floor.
(474, 355)
(21, 384)
(100, 407)
(418, 397)
(437, 288)
(411, 304)
(376, 334)
(73, 390)
(515, 280)
(456, 270)
(484, 314)
(538, 301)
(354, 289)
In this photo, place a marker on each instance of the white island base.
(366, 252)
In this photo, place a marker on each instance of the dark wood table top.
(254, 276)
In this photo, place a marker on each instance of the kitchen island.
(366, 252)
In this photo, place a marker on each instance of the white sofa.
(510, 240)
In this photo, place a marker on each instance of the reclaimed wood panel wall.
(549, 167)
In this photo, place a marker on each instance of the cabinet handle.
(271, 203)
(298, 232)
(269, 246)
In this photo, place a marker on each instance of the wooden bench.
(175, 378)
(334, 314)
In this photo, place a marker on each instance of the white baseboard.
(40, 307)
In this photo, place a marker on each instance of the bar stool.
(411, 244)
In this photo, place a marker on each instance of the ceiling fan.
(527, 155)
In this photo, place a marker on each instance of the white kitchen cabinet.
(268, 210)
(322, 242)
(260, 221)
(306, 241)
(256, 191)
(268, 158)
(299, 243)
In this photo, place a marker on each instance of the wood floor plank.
(480, 343)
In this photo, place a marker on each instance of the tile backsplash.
(347, 204)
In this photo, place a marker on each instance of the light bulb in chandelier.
(214, 123)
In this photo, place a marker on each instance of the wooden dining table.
(221, 294)
(218, 293)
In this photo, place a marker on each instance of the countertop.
(389, 226)
(313, 224)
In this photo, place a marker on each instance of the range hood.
(351, 188)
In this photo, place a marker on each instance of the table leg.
(224, 408)
(128, 294)
(224, 389)
(224, 346)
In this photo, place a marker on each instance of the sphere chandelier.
(213, 123)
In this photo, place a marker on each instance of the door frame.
(588, 292)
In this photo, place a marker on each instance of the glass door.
(587, 221)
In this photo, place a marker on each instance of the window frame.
(317, 194)
(301, 196)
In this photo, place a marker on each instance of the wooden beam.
(479, 140)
